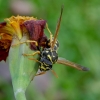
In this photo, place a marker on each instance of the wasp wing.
(71, 64)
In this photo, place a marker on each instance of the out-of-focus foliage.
(6, 90)
(79, 39)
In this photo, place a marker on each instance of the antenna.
(57, 28)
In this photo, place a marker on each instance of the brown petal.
(5, 42)
(36, 31)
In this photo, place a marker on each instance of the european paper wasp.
(49, 55)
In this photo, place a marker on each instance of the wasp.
(49, 55)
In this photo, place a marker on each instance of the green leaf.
(22, 69)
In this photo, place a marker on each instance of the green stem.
(20, 95)
(22, 69)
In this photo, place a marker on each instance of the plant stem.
(22, 69)
(20, 96)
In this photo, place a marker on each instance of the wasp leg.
(37, 52)
(50, 34)
(28, 41)
(54, 73)
(34, 60)
(41, 73)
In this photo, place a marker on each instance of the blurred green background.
(79, 39)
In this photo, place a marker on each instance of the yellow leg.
(50, 34)
(34, 60)
(28, 41)
(41, 73)
(54, 73)
(37, 52)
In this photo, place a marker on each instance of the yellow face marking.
(49, 58)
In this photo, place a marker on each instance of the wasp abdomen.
(48, 58)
